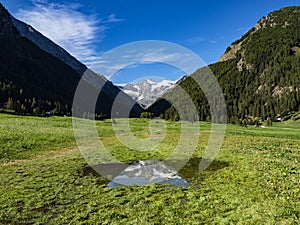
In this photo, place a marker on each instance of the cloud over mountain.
(68, 26)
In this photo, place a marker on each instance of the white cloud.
(112, 19)
(196, 40)
(138, 53)
(157, 55)
(73, 30)
(241, 29)
(112, 62)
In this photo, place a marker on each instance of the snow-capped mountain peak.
(145, 92)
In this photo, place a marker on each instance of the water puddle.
(147, 172)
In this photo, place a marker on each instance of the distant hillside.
(259, 73)
(38, 77)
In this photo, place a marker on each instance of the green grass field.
(44, 179)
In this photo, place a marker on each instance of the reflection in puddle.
(148, 172)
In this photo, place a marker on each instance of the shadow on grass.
(191, 170)
(110, 170)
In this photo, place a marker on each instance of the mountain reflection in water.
(148, 172)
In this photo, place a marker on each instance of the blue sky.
(89, 28)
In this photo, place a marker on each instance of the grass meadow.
(44, 179)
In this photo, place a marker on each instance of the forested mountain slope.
(259, 74)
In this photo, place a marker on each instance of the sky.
(88, 29)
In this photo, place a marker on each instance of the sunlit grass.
(23, 137)
(255, 178)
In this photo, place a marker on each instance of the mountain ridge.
(47, 45)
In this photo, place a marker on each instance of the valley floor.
(44, 179)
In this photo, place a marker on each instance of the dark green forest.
(261, 79)
(33, 82)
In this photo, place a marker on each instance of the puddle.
(144, 172)
(147, 172)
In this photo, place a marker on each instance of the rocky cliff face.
(236, 47)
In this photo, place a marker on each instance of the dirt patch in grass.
(51, 154)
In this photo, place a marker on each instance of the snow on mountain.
(147, 91)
